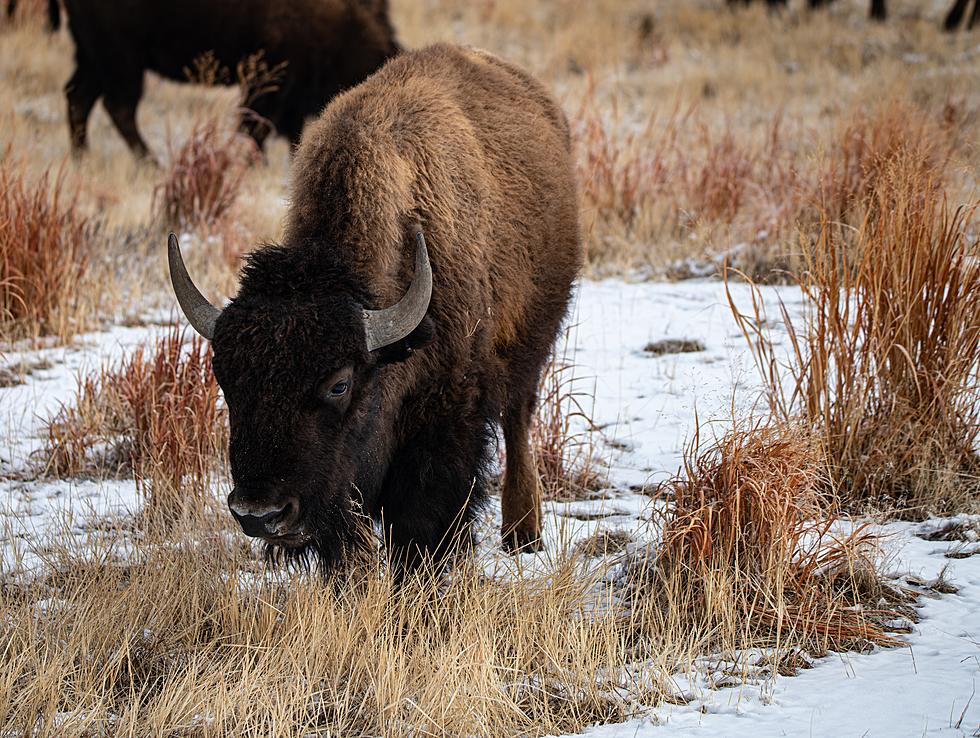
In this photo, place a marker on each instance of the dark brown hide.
(326, 45)
(476, 152)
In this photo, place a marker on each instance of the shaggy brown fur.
(477, 153)
(326, 46)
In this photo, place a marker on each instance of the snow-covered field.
(646, 406)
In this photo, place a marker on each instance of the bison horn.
(385, 327)
(200, 313)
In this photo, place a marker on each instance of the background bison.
(337, 407)
(316, 48)
(879, 10)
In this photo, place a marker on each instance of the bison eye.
(334, 389)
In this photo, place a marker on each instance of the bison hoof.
(523, 541)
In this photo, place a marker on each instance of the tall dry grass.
(155, 414)
(651, 189)
(884, 366)
(46, 250)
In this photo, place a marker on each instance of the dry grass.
(155, 415)
(204, 178)
(752, 551)
(884, 367)
(30, 13)
(173, 644)
(45, 256)
(563, 434)
(191, 636)
(749, 198)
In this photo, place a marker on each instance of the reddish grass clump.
(204, 178)
(45, 252)
(884, 367)
(751, 544)
(154, 414)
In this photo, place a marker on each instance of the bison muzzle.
(367, 363)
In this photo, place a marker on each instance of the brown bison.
(319, 47)
(429, 255)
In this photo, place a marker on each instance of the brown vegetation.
(884, 368)
(752, 550)
(204, 178)
(154, 414)
(563, 435)
(45, 254)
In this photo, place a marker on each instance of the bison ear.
(422, 336)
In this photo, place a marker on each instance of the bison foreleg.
(955, 15)
(433, 486)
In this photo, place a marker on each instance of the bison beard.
(364, 382)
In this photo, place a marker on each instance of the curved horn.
(385, 327)
(200, 313)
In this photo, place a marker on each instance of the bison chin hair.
(342, 535)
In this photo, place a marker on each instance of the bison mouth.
(327, 540)
(288, 540)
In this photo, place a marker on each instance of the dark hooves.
(518, 542)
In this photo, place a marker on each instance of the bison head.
(299, 360)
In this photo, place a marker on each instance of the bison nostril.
(259, 520)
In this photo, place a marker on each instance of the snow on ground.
(646, 406)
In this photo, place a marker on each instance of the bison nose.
(260, 520)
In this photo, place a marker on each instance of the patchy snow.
(647, 406)
(928, 689)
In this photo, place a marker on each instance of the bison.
(318, 48)
(879, 10)
(429, 253)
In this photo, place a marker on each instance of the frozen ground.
(646, 406)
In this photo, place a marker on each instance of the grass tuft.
(154, 414)
(45, 255)
(753, 554)
(204, 178)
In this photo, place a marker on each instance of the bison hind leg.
(81, 92)
(521, 496)
(120, 102)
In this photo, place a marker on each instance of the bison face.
(300, 362)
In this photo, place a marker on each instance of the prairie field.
(757, 437)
